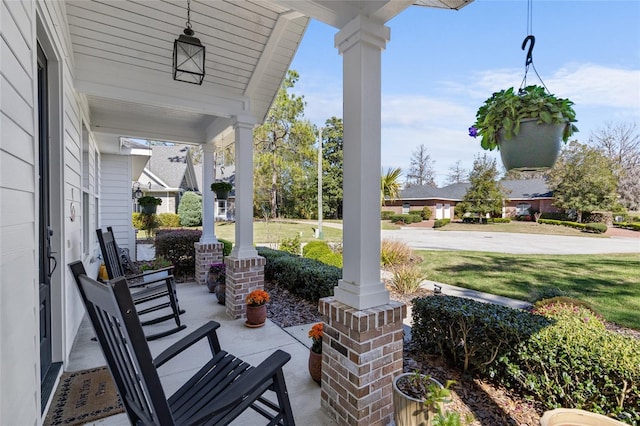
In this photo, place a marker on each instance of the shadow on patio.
(253, 345)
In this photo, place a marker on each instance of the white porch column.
(360, 42)
(243, 247)
(208, 222)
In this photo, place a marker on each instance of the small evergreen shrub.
(308, 278)
(291, 245)
(553, 216)
(405, 218)
(598, 228)
(177, 245)
(227, 246)
(136, 220)
(634, 226)
(500, 220)
(386, 214)
(417, 213)
(426, 213)
(190, 209)
(320, 250)
(169, 220)
(315, 246)
(439, 223)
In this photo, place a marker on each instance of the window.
(522, 209)
(222, 208)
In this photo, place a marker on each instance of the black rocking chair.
(218, 392)
(146, 288)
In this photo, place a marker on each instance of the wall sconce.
(188, 55)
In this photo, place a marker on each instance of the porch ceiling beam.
(98, 77)
(152, 131)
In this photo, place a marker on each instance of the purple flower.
(473, 132)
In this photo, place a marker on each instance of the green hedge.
(227, 246)
(177, 245)
(405, 218)
(561, 355)
(439, 223)
(308, 278)
(169, 220)
(500, 220)
(588, 227)
(634, 226)
(598, 228)
(386, 214)
(418, 213)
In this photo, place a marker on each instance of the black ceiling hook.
(530, 51)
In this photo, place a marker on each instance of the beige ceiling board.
(443, 4)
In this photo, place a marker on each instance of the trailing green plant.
(149, 200)
(505, 110)
(406, 278)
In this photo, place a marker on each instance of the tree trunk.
(274, 192)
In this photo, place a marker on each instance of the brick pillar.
(206, 254)
(361, 354)
(243, 276)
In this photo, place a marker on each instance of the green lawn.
(276, 231)
(518, 227)
(609, 282)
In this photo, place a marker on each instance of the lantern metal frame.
(188, 55)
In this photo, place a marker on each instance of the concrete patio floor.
(252, 345)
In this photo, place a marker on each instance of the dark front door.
(47, 263)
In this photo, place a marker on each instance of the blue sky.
(440, 66)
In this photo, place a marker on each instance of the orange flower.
(257, 298)
(315, 334)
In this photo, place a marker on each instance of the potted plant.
(221, 189)
(216, 281)
(315, 353)
(149, 204)
(526, 126)
(418, 399)
(256, 308)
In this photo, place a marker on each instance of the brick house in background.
(522, 195)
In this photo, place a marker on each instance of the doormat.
(84, 396)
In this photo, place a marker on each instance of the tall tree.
(421, 171)
(457, 174)
(583, 180)
(284, 157)
(485, 194)
(332, 168)
(621, 144)
(390, 185)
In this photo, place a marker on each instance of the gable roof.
(525, 189)
(171, 164)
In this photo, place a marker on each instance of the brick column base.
(361, 354)
(206, 254)
(243, 276)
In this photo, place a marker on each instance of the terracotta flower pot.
(315, 366)
(256, 316)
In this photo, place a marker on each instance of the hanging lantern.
(188, 55)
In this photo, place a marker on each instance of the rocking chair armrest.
(207, 330)
(247, 383)
(146, 283)
(150, 271)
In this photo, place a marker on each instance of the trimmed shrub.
(190, 209)
(500, 220)
(405, 218)
(169, 220)
(598, 217)
(439, 223)
(136, 220)
(426, 213)
(320, 250)
(308, 278)
(553, 216)
(634, 226)
(177, 245)
(598, 228)
(227, 246)
(386, 214)
(418, 214)
(315, 246)
(560, 354)
(394, 253)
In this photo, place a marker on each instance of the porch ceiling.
(122, 59)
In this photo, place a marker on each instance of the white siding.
(115, 198)
(19, 349)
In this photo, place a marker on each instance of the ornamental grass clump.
(257, 298)
(315, 334)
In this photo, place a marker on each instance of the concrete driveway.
(429, 239)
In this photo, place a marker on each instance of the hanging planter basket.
(535, 147)
(149, 209)
(221, 189)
